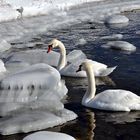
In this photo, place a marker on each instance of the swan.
(47, 135)
(111, 100)
(70, 70)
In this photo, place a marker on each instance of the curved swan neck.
(90, 93)
(62, 60)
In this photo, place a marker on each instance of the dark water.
(93, 124)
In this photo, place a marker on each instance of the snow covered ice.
(120, 45)
(27, 105)
(117, 19)
(54, 16)
(47, 135)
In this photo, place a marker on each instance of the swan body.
(47, 135)
(70, 70)
(112, 100)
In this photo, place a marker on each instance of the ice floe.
(32, 100)
(47, 135)
(120, 45)
(112, 37)
(117, 19)
(4, 45)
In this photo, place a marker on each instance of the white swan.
(70, 70)
(112, 100)
(47, 135)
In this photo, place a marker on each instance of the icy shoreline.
(95, 11)
(34, 7)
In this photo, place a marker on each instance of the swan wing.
(106, 72)
(116, 100)
(101, 69)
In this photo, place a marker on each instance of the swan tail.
(107, 71)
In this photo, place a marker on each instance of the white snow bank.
(56, 18)
(36, 75)
(4, 45)
(81, 41)
(117, 19)
(2, 67)
(34, 56)
(14, 66)
(26, 121)
(30, 100)
(19, 88)
(113, 37)
(34, 7)
(47, 135)
(120, 45)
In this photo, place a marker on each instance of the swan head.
(53, 44)
(84, 65)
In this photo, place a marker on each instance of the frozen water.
(2, 66)
(55, 16)
(31, 100)
(38, 76)
(34, 56)
(47, 135)
(120, 45)
(81, 41)
(117, 19)
(32, 120)
(4, 45)
(33, 7)
(113, 37)
(14, 66)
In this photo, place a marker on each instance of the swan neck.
(90, 93)
(62, 60)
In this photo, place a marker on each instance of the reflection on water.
(82, 82)
(119, 117)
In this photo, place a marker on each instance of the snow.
(47, 135)
(32, 120)
(81, 41)
(30, 100)
(33, 7)
(120, 45)
(2, 67)
(113, 37)
(57, 14)
(4, 45)
(34, 56)
(117, 19)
